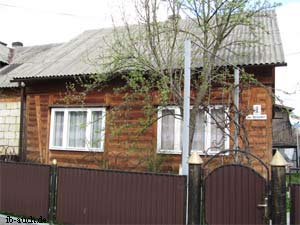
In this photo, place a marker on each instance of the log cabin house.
(52, 120)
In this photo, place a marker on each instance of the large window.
(210, 136)
(79, 129)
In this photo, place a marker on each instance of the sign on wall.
(257, 115)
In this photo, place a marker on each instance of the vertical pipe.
(186, 106)
(22, 135)
(297, 151)
(236, 112)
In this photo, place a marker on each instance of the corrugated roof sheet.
(79, 56)
(23, 56)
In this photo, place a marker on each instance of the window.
(168, 130)
(210, 136)
(80, 129)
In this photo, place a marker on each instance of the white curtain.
(58, 129)
(77, 129)
(199, 134)
(217, 134)
(167, 130)
(96, 129)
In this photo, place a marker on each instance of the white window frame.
(65, 132)
(208, 150)
(177, 132)
(177, 128)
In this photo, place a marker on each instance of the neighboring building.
(9, 112)
(284, 135)
(4, 54)
(10, 100)
(53, 123)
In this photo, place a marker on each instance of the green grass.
(294, 178)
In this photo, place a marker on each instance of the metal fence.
(295, 204)
(24, 189)
(112, 197)
(89, 196)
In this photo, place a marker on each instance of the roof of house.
(79, 56)
(22, 56)
(283, 107)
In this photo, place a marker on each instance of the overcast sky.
(36, 22)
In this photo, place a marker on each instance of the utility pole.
(186, 107)
(236, 112)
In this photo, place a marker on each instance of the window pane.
(167, 130)
(58, 128)
(96, 129)
(76, 129)
(217, 129)
(199, 134)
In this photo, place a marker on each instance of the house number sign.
(256, 114)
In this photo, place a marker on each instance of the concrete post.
(278, 190)
(194, 189)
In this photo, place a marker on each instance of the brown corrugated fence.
(295, 204)
(232, 193)
(111, 197)
(24, 189)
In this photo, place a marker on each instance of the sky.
(36, 22)
(288, 78)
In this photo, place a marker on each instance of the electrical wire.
(48, 11)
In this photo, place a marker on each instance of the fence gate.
(235, 193)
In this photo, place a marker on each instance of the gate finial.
(195, 159)
(278, 160)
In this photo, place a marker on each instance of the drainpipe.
(22, 135)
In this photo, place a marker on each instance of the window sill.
(75, 149)
(173, 152)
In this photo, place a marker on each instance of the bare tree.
(150, 55)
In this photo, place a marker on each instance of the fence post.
(278, 189)
(52, 193)
(194, 189)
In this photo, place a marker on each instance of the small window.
(80, 129)
(168, 130)
(211, 132)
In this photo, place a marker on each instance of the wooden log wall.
(127, 150)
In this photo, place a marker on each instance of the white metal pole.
(186, 107)
(297, 155)
(236, 111)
